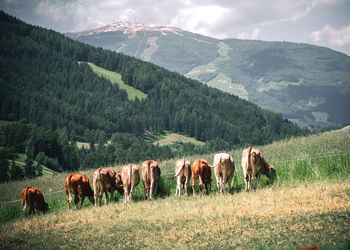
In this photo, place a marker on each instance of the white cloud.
(209, 16)
(251, 36)
(336, 37)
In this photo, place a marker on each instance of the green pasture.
(306, 205)
(117, 79)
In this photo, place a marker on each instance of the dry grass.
(273, 218)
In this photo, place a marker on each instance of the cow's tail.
(130, 172)
(249, 154)
(96, 182)
(220, 163)
(179, 171)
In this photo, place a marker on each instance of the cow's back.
(146, 175)
(244, 161)
(223, 164)
(155, 171)
(85, 187)
(201, 168)
(96, 181)
(108, 180)
(78, 182)
(126, 175)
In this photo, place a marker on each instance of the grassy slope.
(309, 203)
(117, 79)
(169, 138)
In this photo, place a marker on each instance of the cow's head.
(271, 173)
(119, 182)
(91, 199)
(45, 207)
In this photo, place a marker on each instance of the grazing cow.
(79, 185)
(253, 165)
(201, 169)
(224, 170)
(183, 174)
(130, 178)
(34, 198)
(150, 177)
(105, 180)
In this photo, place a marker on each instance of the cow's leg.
(100, 196)
(208, 187)
(178, 187)
(95, 195)
(69, 198)
(151, 190)
(126, 194)
(145, 190)
(186, 185)
(130, 195)
(31, 210)
(106, 196)
(229, 181)
(194, 180)
(218, 183)
(222, 184)
(257, 181)
(155, 191)
(24, 208)
(200, 185)
(247, 182)
(76, 200)
(112, 195)
(82, 201)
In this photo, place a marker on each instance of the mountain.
(46, 80)
(305, 83)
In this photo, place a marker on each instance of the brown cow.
(79, 185)
(34, 198)
(150, 177)
(201, 169)
(183, 174)
(224, 170)
(253, 165)
(105, 180)
(130, 178)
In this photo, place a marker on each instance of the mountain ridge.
(280, 76)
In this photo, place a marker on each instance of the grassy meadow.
(308, 204)
(117, 79)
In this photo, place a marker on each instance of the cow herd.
(106, 180)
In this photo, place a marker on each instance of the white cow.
(130, 178)
(224, 169)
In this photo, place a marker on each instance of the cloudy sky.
(320, 22)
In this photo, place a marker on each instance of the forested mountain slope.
(305, 83)
(43, 82)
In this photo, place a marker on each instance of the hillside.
(307, 84)
(43, 82)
